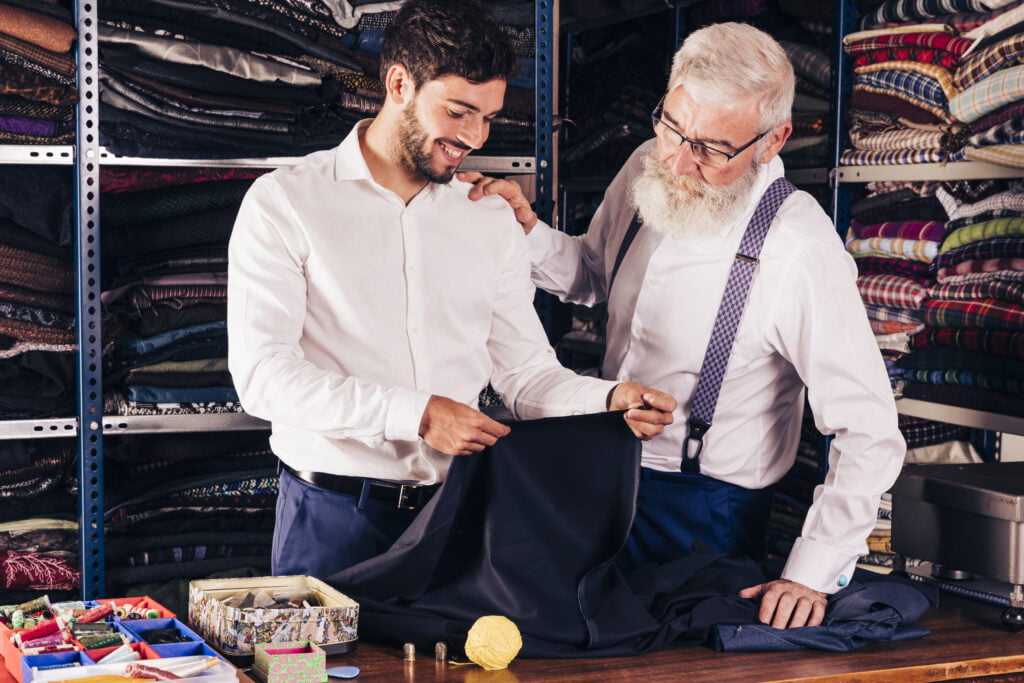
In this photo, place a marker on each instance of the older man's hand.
(647, 410)
(788, 604)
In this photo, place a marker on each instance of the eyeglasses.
(708, 156)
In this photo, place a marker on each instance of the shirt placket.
(415, 296)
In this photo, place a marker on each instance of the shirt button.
(639, 332)
(842, 581)
(652, 282)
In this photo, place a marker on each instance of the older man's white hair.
(724, 64)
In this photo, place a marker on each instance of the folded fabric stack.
(990, 81)
(970, 351)
(808, 145)
(37, 73)
(165, 309)
(895, 231)
(38, 534)
(903, 62)
(37, 339)
(185, 506)
(244, 78)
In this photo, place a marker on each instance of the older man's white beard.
(684, 206)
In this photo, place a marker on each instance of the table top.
(967, 643)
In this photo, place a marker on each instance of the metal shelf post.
(87, 309)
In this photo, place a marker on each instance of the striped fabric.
(1009, 343)
(893, 247)
(907, 138)
(984, 313)
(1004, 155)
(902, 11)
(982, 63)
(875, 265)
(893, 291)
(988, 94)
(946, 42)
(809, 61)
(1010, 200)
(911, 230)
(909, 53)
(1011, 292)
(965, 23)
(1000, 20)
(864, 157)
(915, 84)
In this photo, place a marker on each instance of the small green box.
(301, 661)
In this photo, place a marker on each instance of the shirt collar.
(766, 174)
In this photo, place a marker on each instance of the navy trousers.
(319, 532)
(673, 509)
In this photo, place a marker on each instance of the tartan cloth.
(1005, 268)
(979, 380)
(892, 291)
(868, 100)
(999, 20)
(1007, 132)
(873, 157)
(987, 95)
(1009, 200)
(867, 34)
(904, 139)
(954, 225)
(893, 315)
(903, 11)
(892, 247)
(808, 87)
(911, 230)
(986, 61)
(974, 190)
(809, 61)
(1003, 155)
(985, 313)
(983, 250)
(940, 112)
(887, 327)
(876, 265)
(916, 85)
(936, 40)
(973, 277)
(1008, 343)
(967, 22)
(1012, 292)
(920, 432)
(1014, 110)
(909, 53)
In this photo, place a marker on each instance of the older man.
(672, 224)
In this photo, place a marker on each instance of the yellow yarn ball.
(493, 642)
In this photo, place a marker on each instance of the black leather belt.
(402, 496)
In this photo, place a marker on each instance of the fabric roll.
(1006, 343)
(892, 291)
(38, 29)
(988, 94)
(984, 313)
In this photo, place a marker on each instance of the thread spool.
(409, 649)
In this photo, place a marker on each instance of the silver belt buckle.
(404, 491)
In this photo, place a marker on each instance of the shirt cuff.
(821, 567)
(404, 414)
(539, 238)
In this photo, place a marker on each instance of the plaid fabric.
(915, 250)
(910, 230)
(940, 112)
(997, 248)
(882, 187)
(988, 60)
(868, 34)
(918, 432)
(866, 157)
(887, 327)
(976, 276)
(904, 139)
(894, 315)
(985, 313)
(892, 291)
(998, 21)
(808, 87)
(1008, 343)
(809, 61)
(876, 265)
(908, 53)
(903, 11)
(963, 24)
(945, 42)
(987, 95)
(1009, 200)
(1012, 292)
(1007, 132)
(1011, 385)
(1007, 268)
(915, 85)
(952, 226)
(975, 190)
(931, 72)
(1014, 110)
(1003, 155)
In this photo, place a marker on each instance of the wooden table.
(966, 643)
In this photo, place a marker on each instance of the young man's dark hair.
(435, 38)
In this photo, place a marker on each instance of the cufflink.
(842, 581)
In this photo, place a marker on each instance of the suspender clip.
(696, 429)
(749, 259)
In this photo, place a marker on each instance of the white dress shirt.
(804, 325)
(348, 309)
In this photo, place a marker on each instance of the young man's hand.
(456, 429)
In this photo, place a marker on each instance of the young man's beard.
(415, 150)
(684, 206)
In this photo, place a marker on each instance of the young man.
(695, 186)
(370, 302)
